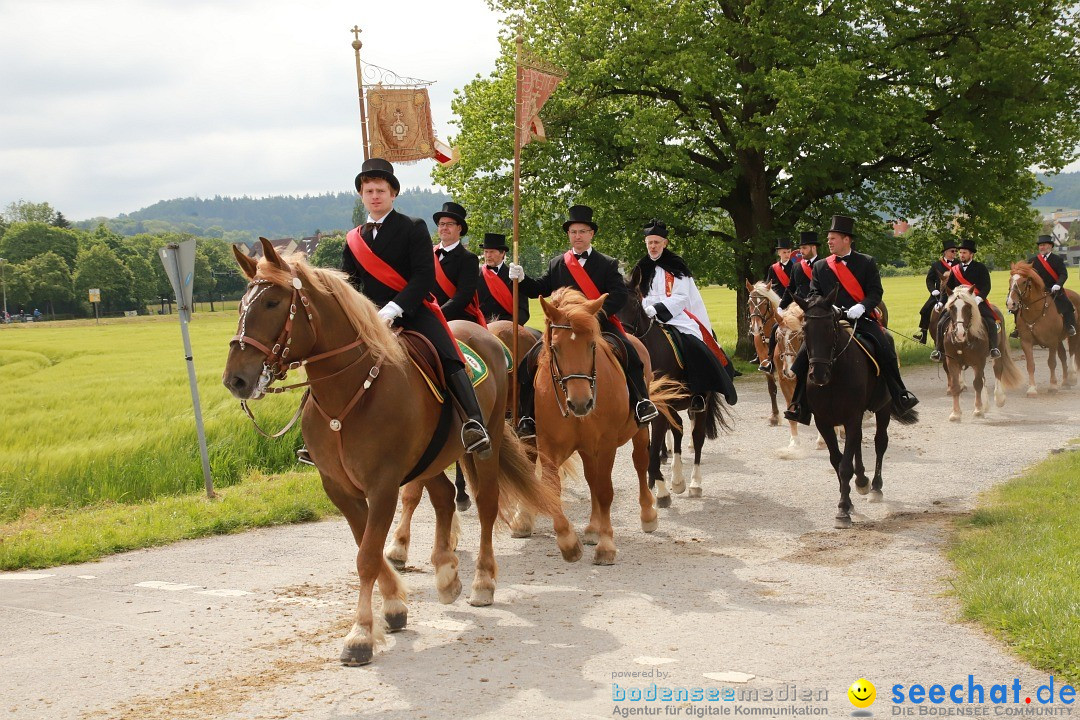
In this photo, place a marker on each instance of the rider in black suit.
(977, 276)
(1055, 285)
(459, 265)
(495, 248)
(933, 285)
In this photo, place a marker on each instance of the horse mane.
(570, 302)
(361, 312)
(1027, 270)
(764, 289)
(793, 318)
(963, 294)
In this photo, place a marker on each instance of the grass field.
(100, 415)
(1018, 558)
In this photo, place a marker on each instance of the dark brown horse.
(369, 422)
(1038, 322)
(665, 363)
(842, 384)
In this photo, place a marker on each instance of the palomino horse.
(667, 364)
(1039, 323)
(398, 552)
(842, 384)
(789, 340)
(761, 308)
(369, 422)
(966, 344)
(582, 406)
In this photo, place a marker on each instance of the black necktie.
(493, 269)
(370, 227)
(582, 256)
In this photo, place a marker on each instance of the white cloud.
(112, 105)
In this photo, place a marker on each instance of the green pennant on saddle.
(478, 369)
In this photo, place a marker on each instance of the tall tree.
(25, 212)
(740, 121)
(50, 281)
(25, 240)
(99, 267)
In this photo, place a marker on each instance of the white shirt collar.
(371, 219)
(447, 248)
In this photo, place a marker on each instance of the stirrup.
(526, 428)
(697, 404)
(920, 336)
(645, 411)
(1072, 331)
(765, 366)
(935, 356)
(480, 445)
(304, 457)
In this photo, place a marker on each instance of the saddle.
(425, 357)
(617, 346)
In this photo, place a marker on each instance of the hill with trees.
(1064, 191)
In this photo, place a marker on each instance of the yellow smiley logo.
(862, 693)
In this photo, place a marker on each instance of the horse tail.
(1011, 377)
(663, 391)
(717, 416)
(518, 483)
(909, 418)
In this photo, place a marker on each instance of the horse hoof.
(678, 486)
(396, 622)
(521, 532)
(774, 420)
(694, 492)
(573, 553)
(356, 655)
(604, 557)
(864, 488)
(954, 417)
(876, 496)
(397, 556)
(663, 502)
(842, 522)
(451, 593)
(590, 537)
(463, 504)
(1031, 391)
(650, 526)
(977, 413)
(482, 597)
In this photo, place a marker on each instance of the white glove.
(390, 312)
(650, 311)
(935, 293)
(978, 300)
(516, 272)
(938, 306)
(1055, 288)
(856, 311)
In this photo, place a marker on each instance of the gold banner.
(400, 122)
(534, 87)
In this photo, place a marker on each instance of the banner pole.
(517, 213)
(356, 44)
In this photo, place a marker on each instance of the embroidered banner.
(535, 82)
(400, 122)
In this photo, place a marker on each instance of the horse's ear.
(550, 311)
(271, 254)
(248, 265)
(831, 297)
(594, 306)
(749, 287)
(635, 278)
(800, 302)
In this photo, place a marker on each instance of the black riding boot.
(766, 365)
(939, 339)
(903, 399)
(992, 337)
(526, 376)
(643, 407)
(799, 409)
(1068, 312)
(474, 435)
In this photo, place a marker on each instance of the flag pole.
(517, 213)
(356, 44)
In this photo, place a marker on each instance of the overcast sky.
(107, 106)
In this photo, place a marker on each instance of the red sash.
(782, 276)
(586, 284)
(850, 283)
(473, 308)
(498, 290)
(391, 278)
(959, 275)
(807, 271)
(1049, 269)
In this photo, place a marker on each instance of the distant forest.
(1065, 193)
(244, 219)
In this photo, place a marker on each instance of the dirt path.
(747, 588)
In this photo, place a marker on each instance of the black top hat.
(843, 224)
(783, 244)
(656, 227)
(495, 241)
(377, 168)
(580, 214)
(949, 244)
(456, 213)
(808, 238)
(1045, 239)
(967, 244)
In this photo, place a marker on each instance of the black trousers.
(925, 311)
(1065, 307)
(424, 322)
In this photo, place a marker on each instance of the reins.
(558, 380)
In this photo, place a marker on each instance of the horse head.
(820, 333)
(632, 314)
(789, 339)
(761, 308)
(1023, 281)
(963, 313)
(570, 338)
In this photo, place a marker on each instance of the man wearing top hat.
(403, 244)
(938, 269)
(604, 273)
(670, 296)
(495, 291)
(1052, 270)
(802, 269)
(857, 282)
(780, 276)
(969, 271)
(456, 269)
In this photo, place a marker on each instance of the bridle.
(633, 326)
(1021, 305)
(788, 335)
(755, 311)
(558, 380)
(834, 354)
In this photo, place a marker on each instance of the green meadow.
(99, 417)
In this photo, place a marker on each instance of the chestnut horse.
(842, 384)
(761, 309)
(368, 424)
(966, 345)
(398, 553)
(1039, 323)
(582, 406)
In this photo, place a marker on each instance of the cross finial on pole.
(356, 34)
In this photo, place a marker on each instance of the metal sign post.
(179, 262)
